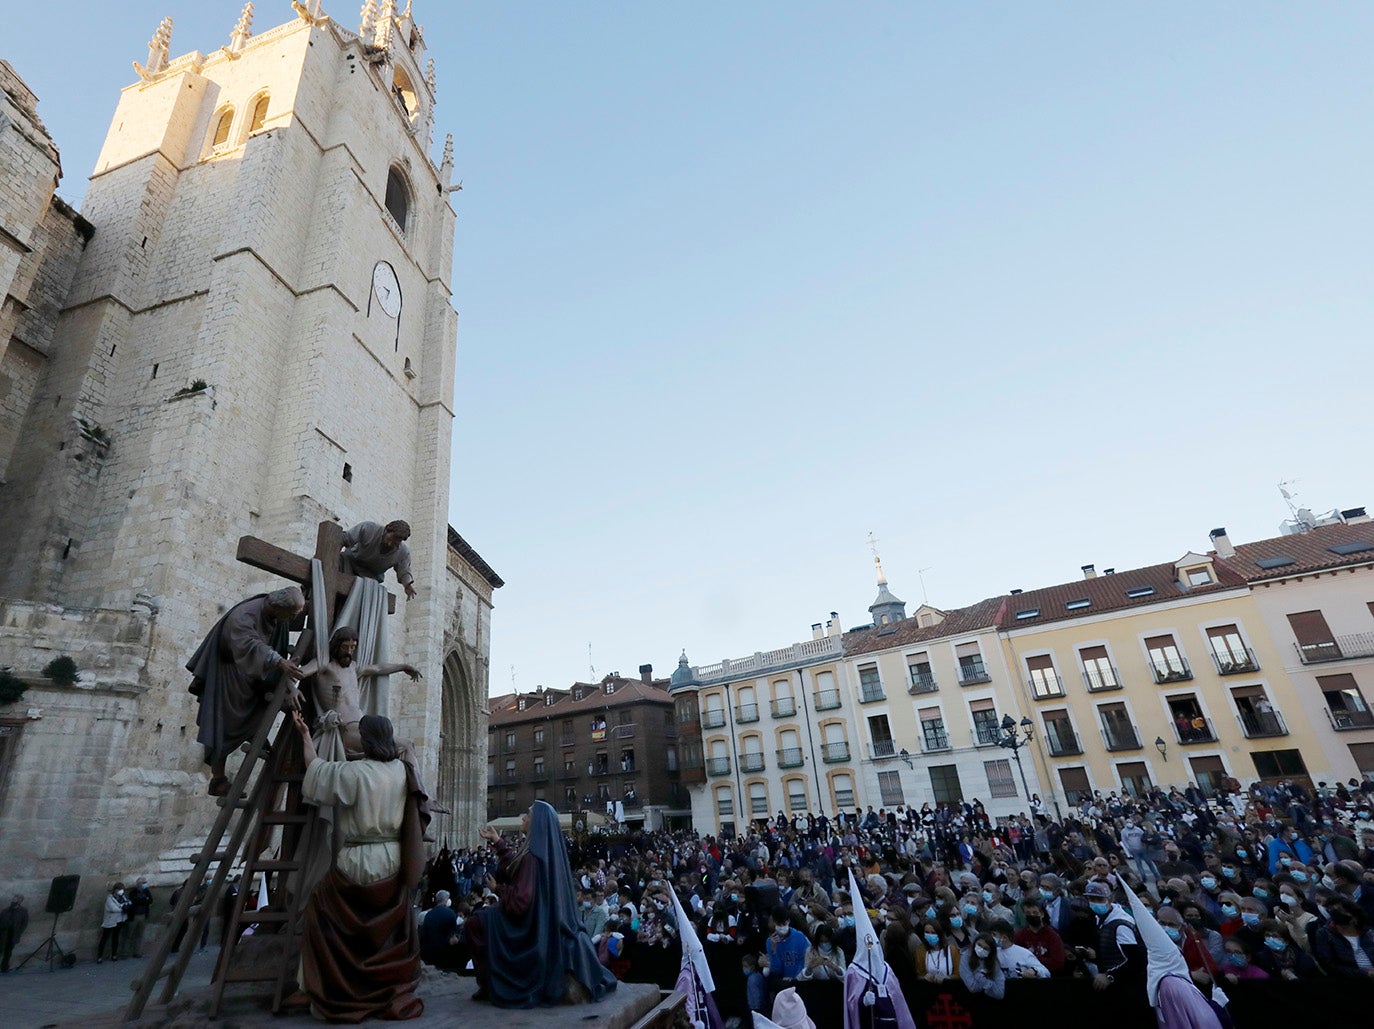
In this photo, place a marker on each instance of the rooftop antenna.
(1300, 517)
(591, 668)
(514, 688)
(921, 574)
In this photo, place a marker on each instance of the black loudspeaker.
(62, 893)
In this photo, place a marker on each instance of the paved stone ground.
(91, 996)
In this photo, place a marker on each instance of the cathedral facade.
(247, 330)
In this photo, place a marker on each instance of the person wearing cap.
(1118, 956)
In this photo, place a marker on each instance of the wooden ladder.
(243, 806)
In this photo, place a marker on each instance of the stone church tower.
(247, 330)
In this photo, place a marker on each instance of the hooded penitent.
(1177, 1002)
(695, 981)
(872, 998)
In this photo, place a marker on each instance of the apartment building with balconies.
(930, 692)
(610, 742)
(1314, 590)
(1161, 675)
(767, 733)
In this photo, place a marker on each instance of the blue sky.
(1016, 289)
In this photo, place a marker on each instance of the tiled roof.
(982, 615)
(505, 709)
(1112, 592)
(1306, 552)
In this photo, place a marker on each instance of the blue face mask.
(1174, 933)
(1274, 944)
(1229, 910)
(1209, 882)
(970, 909)
(1046, 894)
(1099, 908)
(1262, 894)
(955, 922)
(1230, 873)
(932, 940)
(1250, 918)
(931, 912)
(1300, 877)
(1242, 853)
(1239, 960)
(847, 921)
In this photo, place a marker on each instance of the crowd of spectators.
(1272, 883)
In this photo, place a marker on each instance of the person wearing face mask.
(937, 957)
(1236, 965)
(1039, 938)
(1279, 957)
(1230, 920)
(957, 930)
(1287, 845)
(1344, 946)
(1120, 958)
(1202, 966)
(993, 908)
(114, 916)
(1208, 894)
(1017, 961)
(786, 949)
(823, 959)
(980, 971)
(140, 903)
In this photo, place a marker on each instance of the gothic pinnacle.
(243, 28)
(385, 24)
(158, 49)
(368, 22)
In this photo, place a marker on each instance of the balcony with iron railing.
(922, 682)
(834, 752)
(934, 742)
(871, 693)
(973, 673)
(539, 775)
(745, 713)
(693, 772)
(1258, 724)
(1338, 648)
(717, 766)
(1062, 743)
(790, 757)
(713, 719)
(1046, 686)
(1166, 670)
(623, 731)
(567, 740)
(884, 748)
(568, 773)
(783, 707)
(632, 803)
(751, 761)
(1230, 663)
(989, 734)
(1197, 730)
(1347, 719)
(1101, 678)
(827, 700)
(1120, 737)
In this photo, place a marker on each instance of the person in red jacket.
(1040, 938)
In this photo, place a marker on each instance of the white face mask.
(982, 952)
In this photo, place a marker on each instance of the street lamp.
(1014, 742)
(906, 756)
(1162, 747)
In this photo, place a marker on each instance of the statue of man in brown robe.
(235, 670)
(370, 549)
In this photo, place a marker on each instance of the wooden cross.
(260, 554)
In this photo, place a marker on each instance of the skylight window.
(1351, 548)
(1078, 605)
(1030, 612)
(1275, 562)
(1136, 592)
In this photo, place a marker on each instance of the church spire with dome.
(886, 609)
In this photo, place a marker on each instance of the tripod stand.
(53, 951)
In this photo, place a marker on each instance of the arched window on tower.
(397, 197)
(405, 93)
(259, 115)
(224, 121)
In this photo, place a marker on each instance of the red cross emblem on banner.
(946, 1014)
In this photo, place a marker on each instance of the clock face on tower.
(386, 289)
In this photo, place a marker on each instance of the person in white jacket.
(1017, 961)
(116, 912)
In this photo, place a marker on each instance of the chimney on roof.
(646, 674)
(1089, 572)
(832, 625)
(1354, 516)
(1221, 543)
(1109, 571)
(1015, 593)
(817, 630)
